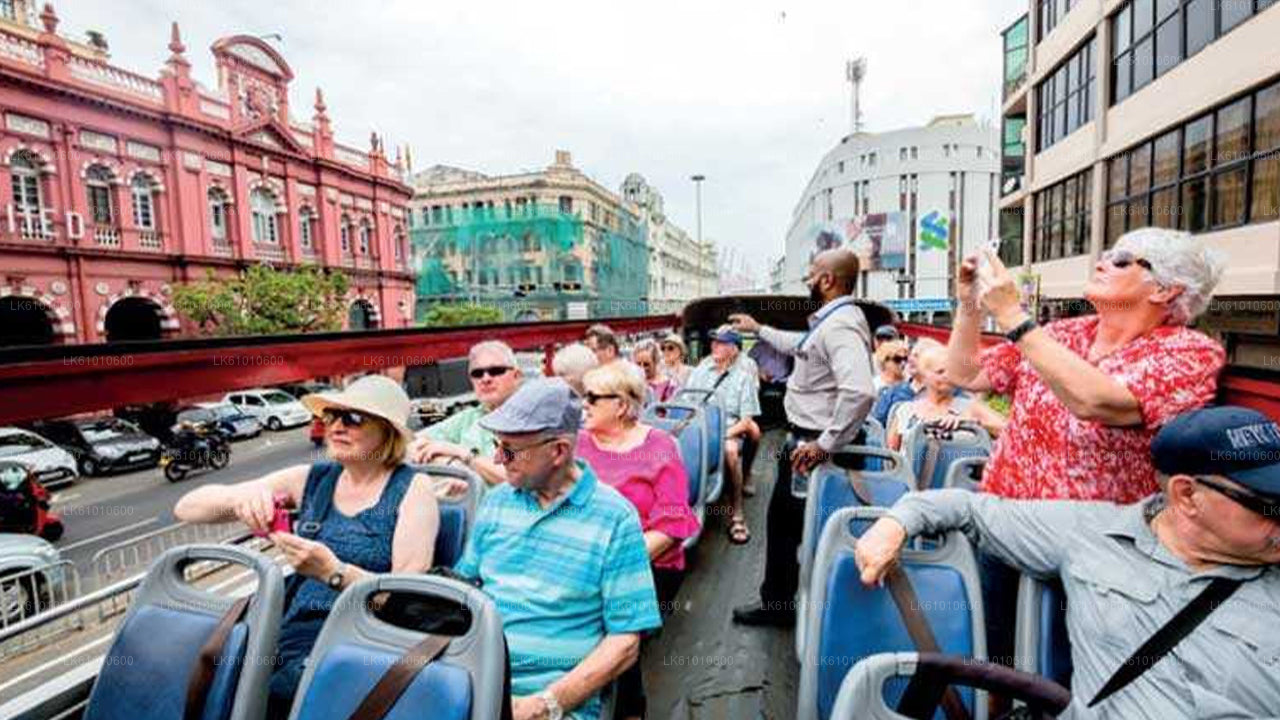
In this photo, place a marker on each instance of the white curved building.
(911, 202)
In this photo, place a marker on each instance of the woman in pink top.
(643, 463)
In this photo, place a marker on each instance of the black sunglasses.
(1122, 259)
(593, 398)
(1264, 506)
(506, 453)
(897, 358)
(349, 418)
(495, 371)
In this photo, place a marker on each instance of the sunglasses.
(1266, 507)
(506, 453)
(593, 398)
(349, 418)
(897, 358)
(1121, 259)
(493, 372)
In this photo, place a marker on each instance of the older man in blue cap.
(563, 557)
(1172, 602)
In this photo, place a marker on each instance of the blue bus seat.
(968, 440)
(847, 622)
(1043, 646)
(355, 648)
(457, 515)
(713, 416)
(829, 491)
(965, 473)
(145, 673)
(686, 424)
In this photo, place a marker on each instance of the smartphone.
(281, 519)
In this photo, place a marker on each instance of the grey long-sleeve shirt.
(1122, 585)
(830, 389)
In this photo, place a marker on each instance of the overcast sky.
(751, 94)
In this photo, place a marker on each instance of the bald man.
(829, 394)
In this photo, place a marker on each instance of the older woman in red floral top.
(1089, 393)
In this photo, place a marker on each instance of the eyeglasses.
(1257, 503)
(506, 453)
(896, 358)
(1121, 259)
(645, 363)
(495, 371)
(670, 347)
(349, 418)
(593, 398)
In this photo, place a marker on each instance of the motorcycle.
(195, 447)
(24, 503)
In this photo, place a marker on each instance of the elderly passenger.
(891, 360)
(937, 401)
(643, 463)
(601, 339)
(661, 387)
(362, 511)
(908, 388)
(495, 375)
(564, 558)
(573, 361)
(673, 358)
(1213, 529)
(1089, 393)
(737, 390)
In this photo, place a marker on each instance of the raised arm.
(250, 502)
(782, 340)
(964, 345)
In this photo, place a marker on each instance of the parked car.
(50, 464)
(316, 431)
(30, 571)
(306, 388)
(103, 444)
(274, 408)
(236, 423)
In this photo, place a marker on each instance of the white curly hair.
(1178, 259)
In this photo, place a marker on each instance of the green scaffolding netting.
(535, 252)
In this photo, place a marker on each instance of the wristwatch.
(335, 580)
(554, 712)
(1023, 328)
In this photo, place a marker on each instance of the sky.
(749, 94)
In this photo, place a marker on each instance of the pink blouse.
(652, 476)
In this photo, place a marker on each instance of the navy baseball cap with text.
(1237, 443)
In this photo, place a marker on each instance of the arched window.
(306, 229)
(97, 186)
(263, 206)
(24, 173)
(344, 234)
(218, 215)
(144, 214)
(399, 242)
(364, 237)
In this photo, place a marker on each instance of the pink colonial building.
(117, 187)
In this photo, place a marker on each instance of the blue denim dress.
(363, 540)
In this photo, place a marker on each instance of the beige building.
(680, 269)
(1125, 113)
(552, 244)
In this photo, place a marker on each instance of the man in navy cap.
(1211, 535)
(563, 557)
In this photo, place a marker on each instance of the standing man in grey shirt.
(1129, 569)
(828, 396)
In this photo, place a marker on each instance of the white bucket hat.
(373, 394)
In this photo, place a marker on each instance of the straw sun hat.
(373, 394)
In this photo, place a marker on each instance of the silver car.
(51, 464)
(31, 576)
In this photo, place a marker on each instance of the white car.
(274, 408)
(51, 464)
(31, 576)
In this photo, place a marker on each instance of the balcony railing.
(268, 252)
(150, 240)
(222, 248)
(106, 236)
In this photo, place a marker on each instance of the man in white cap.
(563, 557)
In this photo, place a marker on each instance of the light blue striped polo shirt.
(562, 577)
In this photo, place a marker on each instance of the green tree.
(263, 300)
(449, 315)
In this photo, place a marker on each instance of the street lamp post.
(697, 188)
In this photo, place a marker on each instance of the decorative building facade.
(680, 269)
(116, 187)
(547, 245)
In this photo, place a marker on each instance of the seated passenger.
(891, 363)
(1129, 569)
(361, 512)
(644, 464)
(882, 335)
(661, 388)
(737, 391)
(938, 402)
(495, 375)
(563, 557)
(908, 389)
(571, 362)
(673, 356)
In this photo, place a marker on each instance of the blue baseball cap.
(539, 405)
(1237, 443)
(726, 334)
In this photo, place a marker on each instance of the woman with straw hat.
(361, 511)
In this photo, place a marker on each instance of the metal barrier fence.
(26, 594)
(133, 555)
